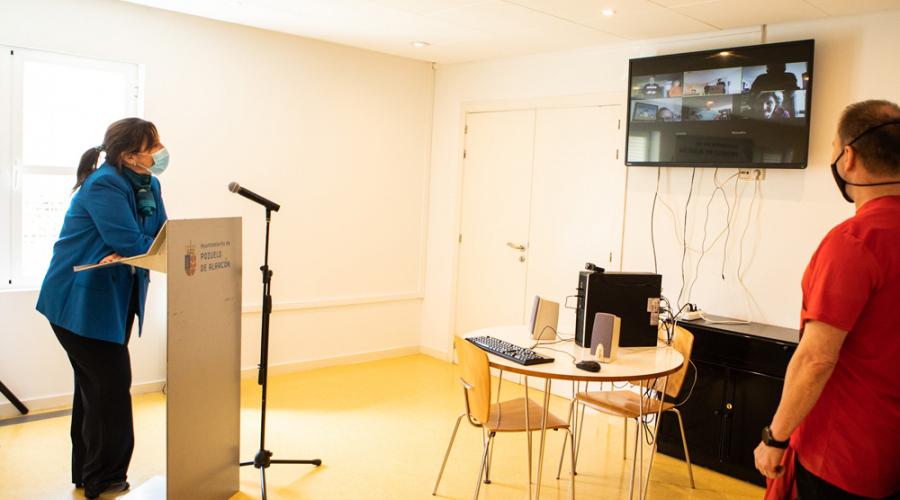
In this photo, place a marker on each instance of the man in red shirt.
(840, 409)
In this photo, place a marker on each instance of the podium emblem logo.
(190, 260)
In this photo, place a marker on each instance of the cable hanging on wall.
(731, 214)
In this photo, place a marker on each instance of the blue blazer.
(102, 219)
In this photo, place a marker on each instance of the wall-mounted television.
(744, 107)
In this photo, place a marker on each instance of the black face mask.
(841, 182)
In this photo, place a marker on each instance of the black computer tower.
(633, 297)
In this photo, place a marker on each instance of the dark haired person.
(116, 212)
(651, 90)
(770, 105)
(841, 400)
(776, 77)
(717, 87)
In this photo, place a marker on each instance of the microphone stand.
(13, 399)
(263, 458)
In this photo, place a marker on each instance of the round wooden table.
(632, 363)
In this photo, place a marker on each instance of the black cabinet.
(740, 375)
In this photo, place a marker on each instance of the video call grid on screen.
(745, 106)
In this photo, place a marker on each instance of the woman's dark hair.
(122, 137)
(777, 96)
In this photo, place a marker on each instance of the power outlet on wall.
(752, 174)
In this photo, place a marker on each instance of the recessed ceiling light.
(419, 44)
(608, 12)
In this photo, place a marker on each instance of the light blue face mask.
(160, 161)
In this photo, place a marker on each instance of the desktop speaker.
(605, 337)
(633, 297)
(544, 319)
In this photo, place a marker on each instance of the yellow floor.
(381, 429)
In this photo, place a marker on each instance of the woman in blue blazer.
(116, 212)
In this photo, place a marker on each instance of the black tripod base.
(315, 462)
(263, 460)
(12, 399)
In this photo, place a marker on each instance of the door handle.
(521, 248)
(16, 163)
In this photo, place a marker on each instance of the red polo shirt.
(851, 438)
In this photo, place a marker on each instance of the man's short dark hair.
(878, 150)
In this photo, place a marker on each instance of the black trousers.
(102, 423)
(812, 487)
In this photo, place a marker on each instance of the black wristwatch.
(768, 440)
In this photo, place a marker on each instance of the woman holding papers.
(116, 212)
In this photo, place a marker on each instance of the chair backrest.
(475, 370)
(683, 342)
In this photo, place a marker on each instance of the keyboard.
(509, 351)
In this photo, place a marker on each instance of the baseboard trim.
(313, 364)
(342, 302)
(35, 417)
(65, 400)
(434, 353)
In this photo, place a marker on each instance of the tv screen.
(745, 107)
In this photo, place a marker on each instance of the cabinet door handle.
(717, 412)
(728, 406)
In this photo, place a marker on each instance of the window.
(53, 107)
(638, 146)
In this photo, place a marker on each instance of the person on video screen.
(717, 87)
(665, 115)
(706, 114)
(775, 78)
(769, 106)
(652, 89)
(676, 90)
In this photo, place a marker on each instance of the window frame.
(5, 166)
(12, 166)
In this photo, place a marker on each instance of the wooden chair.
(508, 416)
(627, 404)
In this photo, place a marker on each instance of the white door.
(495, 205)
(577, 198)
(548, 180)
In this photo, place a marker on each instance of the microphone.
(236, 188)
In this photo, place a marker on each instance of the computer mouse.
(591, 366)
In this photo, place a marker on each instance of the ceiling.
(471, 30)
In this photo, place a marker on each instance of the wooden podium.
(202, 260)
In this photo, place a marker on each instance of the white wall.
(339, 136)
(793, 210)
